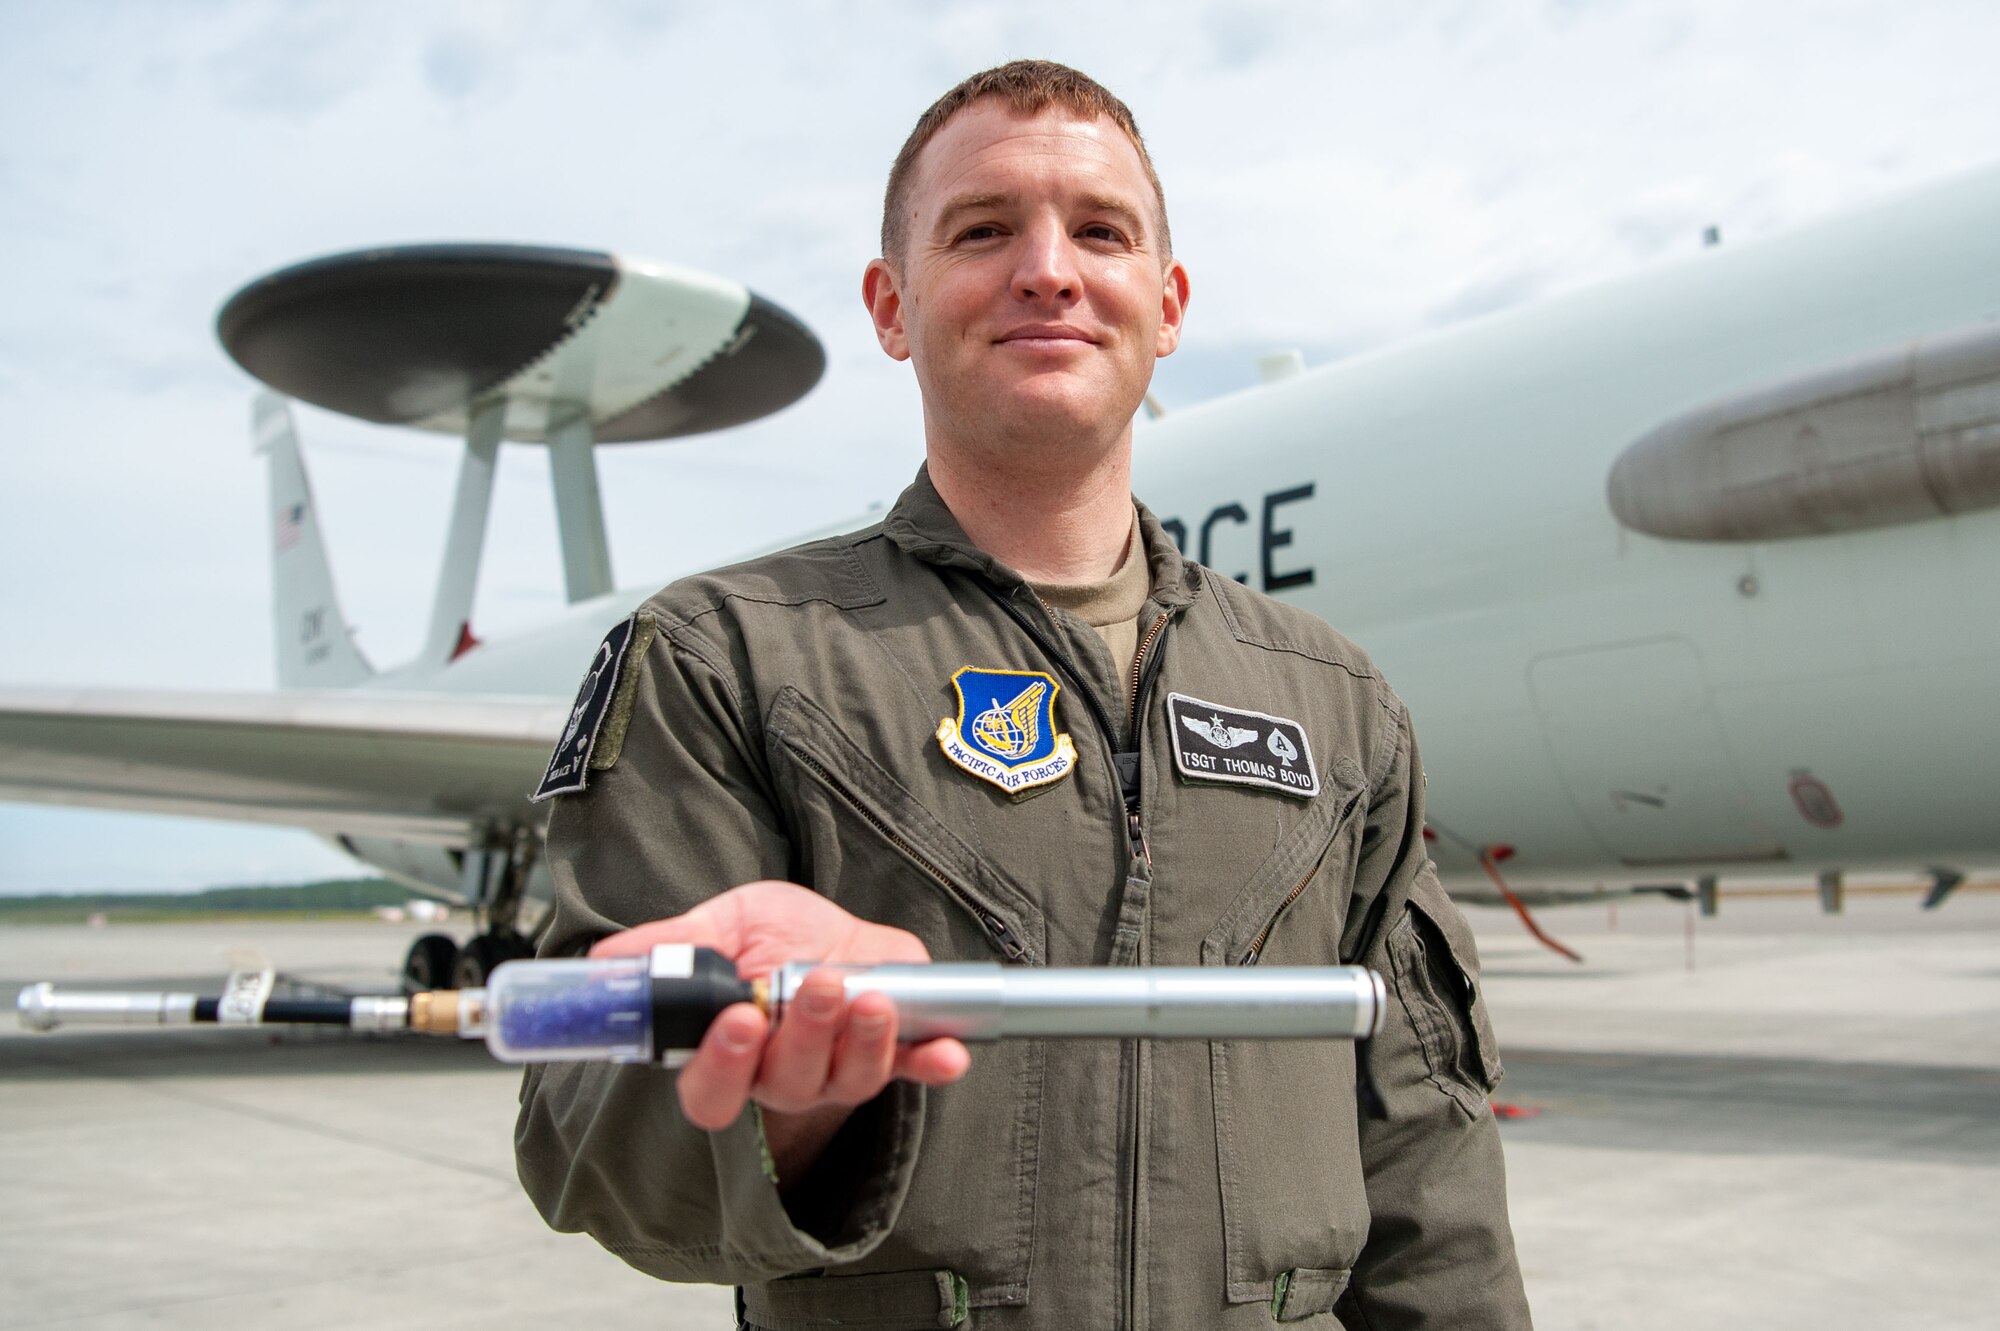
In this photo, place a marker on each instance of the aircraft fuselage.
(1606, 703)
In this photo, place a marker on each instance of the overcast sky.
(1340, 176)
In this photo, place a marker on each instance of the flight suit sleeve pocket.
(1435, 968)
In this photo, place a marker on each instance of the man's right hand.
(829, 1054)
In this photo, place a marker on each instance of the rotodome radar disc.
(416, 334)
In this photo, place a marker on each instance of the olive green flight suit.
(779, 719)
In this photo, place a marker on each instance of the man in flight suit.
(1011, 721)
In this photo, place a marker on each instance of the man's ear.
(1173, 309)
(885, 307)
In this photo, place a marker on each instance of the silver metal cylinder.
(41, 1008)
(987, 1001)
(379, 1012)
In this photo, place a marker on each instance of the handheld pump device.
(655, 1008)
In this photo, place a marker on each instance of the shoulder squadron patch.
(1011, 739)
(599, 698)
(1217, 743)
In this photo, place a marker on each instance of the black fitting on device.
(685, 1005)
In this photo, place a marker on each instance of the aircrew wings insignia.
(1221, 736)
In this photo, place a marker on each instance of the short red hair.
(1030, 86)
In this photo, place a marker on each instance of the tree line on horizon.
(331, 896)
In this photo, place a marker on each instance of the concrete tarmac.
(1801, 1130)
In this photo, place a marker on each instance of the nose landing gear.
(495, 878)
(430, 963)
(483, 952)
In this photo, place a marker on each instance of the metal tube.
(611, 1009)
(379, 1012)
(987, 1001)
(42, 1008)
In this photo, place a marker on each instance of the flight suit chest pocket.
(863, 839)
(1291, 908)
(1287, 1146)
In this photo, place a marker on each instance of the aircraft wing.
(413, 767)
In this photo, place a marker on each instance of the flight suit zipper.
(1125, 763)
(1264, 934)
(1256, 948)
(997, 929)
(1144, 664)
(1142, 679)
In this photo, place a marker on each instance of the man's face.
(1033, 297)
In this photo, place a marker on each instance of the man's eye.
(1102, 231)
(984, 231)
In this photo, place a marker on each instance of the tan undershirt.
(1112, 607)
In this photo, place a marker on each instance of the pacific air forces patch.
(595, 729)
(1005, 731)
(1217, 743)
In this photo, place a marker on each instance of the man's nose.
(1046, 265)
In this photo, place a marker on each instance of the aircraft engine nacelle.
(1900, 436)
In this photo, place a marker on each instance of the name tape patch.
(569, 765)
(1217, 743)
(1005, 731)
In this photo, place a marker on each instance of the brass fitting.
(435, 1012)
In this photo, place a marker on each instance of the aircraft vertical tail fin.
(314, 644)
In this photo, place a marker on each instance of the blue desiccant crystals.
(571, 1011)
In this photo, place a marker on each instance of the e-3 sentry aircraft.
(1685, 576)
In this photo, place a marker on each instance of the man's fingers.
(826, 1050)
(866, 1058)
(934, 1062)
(799, 1054)
(715, 1084)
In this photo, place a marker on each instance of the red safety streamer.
(1487, 861)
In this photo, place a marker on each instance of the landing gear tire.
(430, 963)
(480, 955)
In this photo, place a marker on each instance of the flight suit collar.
(924, 528)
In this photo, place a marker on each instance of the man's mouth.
(1046, 335)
